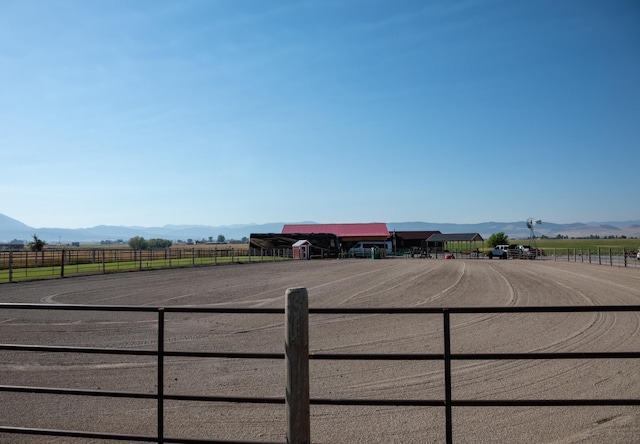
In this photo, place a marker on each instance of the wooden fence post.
(297, 366)
(610, 258)
(599, 257)
(62, 264)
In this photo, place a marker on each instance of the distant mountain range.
(11, 229)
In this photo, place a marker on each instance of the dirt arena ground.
(333, 283)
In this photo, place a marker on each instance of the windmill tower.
(531, 223)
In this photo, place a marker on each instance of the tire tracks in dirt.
(569, 332)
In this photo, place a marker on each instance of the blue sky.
(234, 112)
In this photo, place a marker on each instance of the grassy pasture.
(584, 244)
(237, 247)
(47, 264)
(52, 272)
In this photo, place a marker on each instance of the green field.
(584, 244)
(51, 272)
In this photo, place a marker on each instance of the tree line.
(502, 239)
(140, 243)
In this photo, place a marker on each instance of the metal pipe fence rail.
(53, 263)
(296, 356)
(614, 257)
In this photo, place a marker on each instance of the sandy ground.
(334, 283)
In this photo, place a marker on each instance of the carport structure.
(406, 240)
(457, 243)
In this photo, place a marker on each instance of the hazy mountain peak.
(13, 229)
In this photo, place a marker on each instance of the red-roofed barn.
(348, 234)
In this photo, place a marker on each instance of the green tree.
(221, 239)
(138, 243)
(159, 243)
(36, 245)
(498, 239)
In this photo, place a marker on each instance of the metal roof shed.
(459, 240)
(345, 232)
(409, 239)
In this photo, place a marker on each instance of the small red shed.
(302, 249)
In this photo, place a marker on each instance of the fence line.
(52, 263)
(614, 257)
(297, 355)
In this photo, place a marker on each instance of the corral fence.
(23, 265)
(296, 356)
(615, 257)
(51, 263)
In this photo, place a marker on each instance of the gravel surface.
(332, 283)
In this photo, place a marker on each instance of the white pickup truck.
(501, 251)
(522, 252)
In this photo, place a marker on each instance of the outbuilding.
(347, 234)
(464, 243)
(302, 249)
(408, 240)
